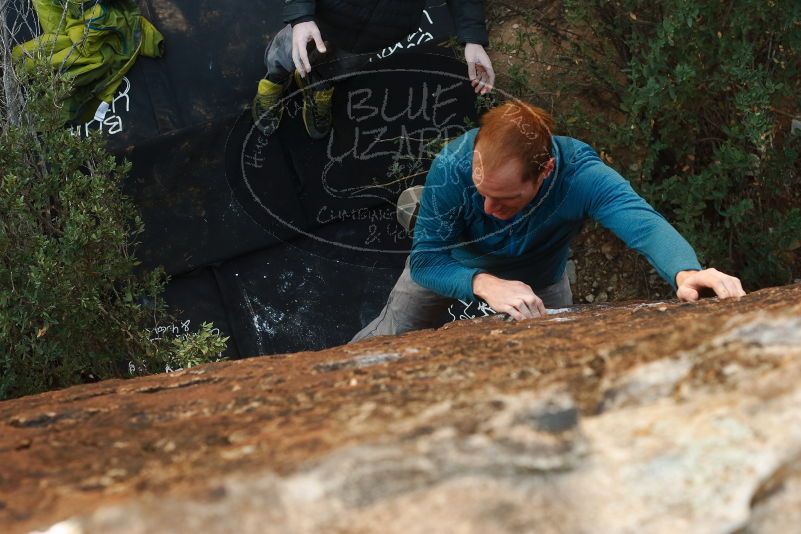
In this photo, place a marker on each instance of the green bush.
(692, 101)
(73, 308)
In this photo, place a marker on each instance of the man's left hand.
(479, 68)
(691, 283)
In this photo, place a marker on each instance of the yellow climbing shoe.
(316, 108)
(268, 106)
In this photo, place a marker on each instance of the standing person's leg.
(409, 307)
(556, 295)
(317, 89)
(268, 106)
(278, 57)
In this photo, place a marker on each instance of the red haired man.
(500, 207)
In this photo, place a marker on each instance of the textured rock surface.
(659, 417)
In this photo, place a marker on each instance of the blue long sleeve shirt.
(454, 239)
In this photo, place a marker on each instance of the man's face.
(505, 189)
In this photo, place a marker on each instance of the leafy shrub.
(691, 100)
(72, 306)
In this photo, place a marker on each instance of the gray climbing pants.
(410, 306)
(278, 56)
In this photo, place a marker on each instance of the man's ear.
(547, 170)
(549, 167)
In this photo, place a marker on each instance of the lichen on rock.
(658, 417)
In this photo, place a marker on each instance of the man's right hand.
(302, 33)
(508, 296)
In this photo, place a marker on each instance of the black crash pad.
(287, 298)
(284, 243)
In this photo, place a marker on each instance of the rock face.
(659, 417)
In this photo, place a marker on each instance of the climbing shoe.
(268, 106)
(316, 107)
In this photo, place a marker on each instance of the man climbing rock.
(500, 207)
(343, 33)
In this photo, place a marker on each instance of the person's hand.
(691, 283)
(508, 296)
(302, 33)
(479, 68)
